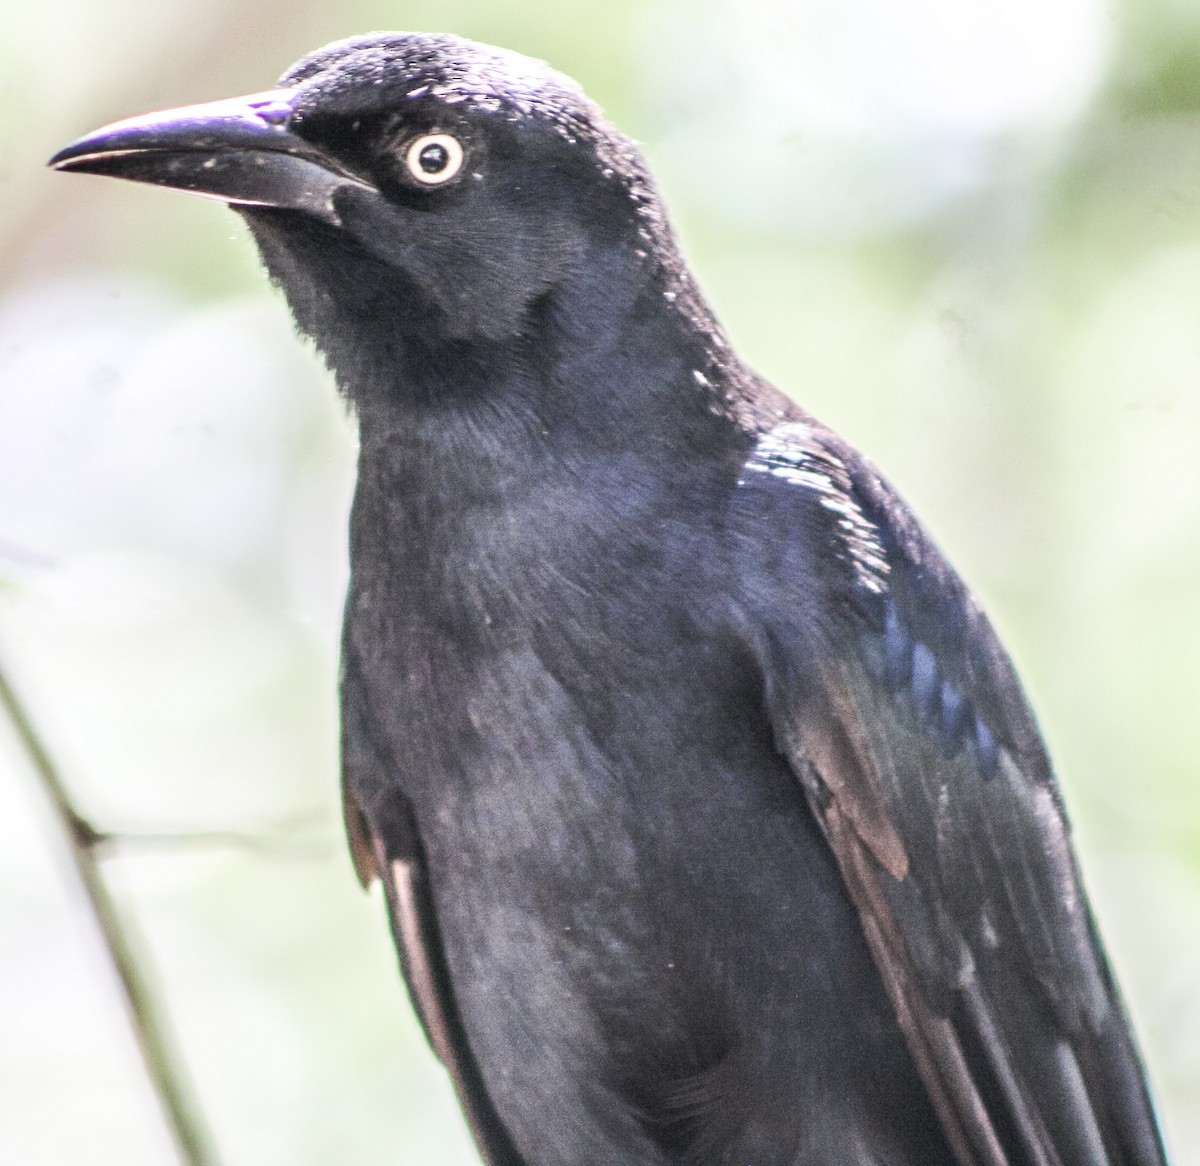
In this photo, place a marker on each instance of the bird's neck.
(617, 362)
(621, 352)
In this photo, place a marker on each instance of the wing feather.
(385, 844)
(909, 735)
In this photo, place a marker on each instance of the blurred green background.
(968, 236)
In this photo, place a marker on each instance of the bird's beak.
(241, 151)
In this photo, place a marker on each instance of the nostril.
(272, 112)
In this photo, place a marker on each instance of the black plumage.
(714, 824)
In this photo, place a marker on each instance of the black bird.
(714, 824)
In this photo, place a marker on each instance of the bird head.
(422, 188)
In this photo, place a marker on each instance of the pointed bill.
(240, 151)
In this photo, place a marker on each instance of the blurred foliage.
(970, 239)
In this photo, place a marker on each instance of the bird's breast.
(628, 885)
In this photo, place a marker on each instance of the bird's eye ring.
(434, 158)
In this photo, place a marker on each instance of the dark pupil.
(433, 158)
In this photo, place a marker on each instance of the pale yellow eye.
(434, 158)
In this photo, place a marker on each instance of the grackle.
(714, 825)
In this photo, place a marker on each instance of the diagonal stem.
(165, 1072)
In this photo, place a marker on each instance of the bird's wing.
(907, 729)
(385, 844)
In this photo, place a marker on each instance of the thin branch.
(283, 842)
(166, 1075)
